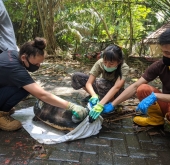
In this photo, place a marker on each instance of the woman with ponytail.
(106, 79)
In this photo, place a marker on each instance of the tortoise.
(54, 116)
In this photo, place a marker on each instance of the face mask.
(110, 69)
(166, 61)
(31, 68)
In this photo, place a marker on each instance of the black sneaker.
(86, 99)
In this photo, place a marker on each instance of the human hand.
(94, 100)
(146, 102)
(96, 111)
(78, 111)
(108, 108)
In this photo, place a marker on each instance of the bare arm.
(163, 97)
(129, 91)
(89, 86)
(110, 94)
(45, 96)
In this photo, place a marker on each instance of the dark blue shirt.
(12, 72)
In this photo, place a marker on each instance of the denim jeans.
(10, 96)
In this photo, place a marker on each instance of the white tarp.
(49, 135)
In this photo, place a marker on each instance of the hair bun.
(40, 43)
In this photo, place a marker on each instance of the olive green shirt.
(99, 71)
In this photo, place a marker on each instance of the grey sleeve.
(7, 35)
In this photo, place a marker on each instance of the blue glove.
(94, 100)
(96, 111)
(145, 103)
(108, 108)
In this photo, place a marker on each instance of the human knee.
(75, 80)
(75, 76)
(143, 91)
(143, 87)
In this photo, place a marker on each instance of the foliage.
(83, 26)
(25, 20)
(161, 7)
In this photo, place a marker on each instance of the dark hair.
(164, 37)
(33, 47)
(114, 53)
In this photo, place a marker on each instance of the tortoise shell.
(54, 116)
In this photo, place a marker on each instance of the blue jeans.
(10, 96)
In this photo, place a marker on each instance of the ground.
(119, 142)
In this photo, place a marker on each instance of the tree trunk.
(131, 27)
(23, 23)
(46, 13)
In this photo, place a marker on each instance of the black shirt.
(12, 72)
(159, 69)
